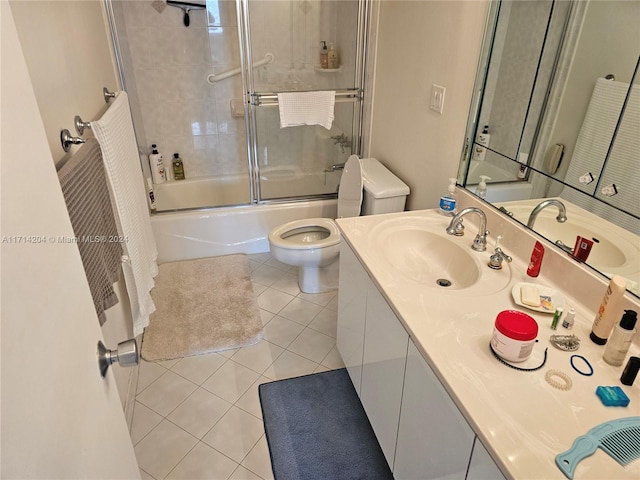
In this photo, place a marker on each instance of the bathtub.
(502, 187)
(227, 230)
(214, 191)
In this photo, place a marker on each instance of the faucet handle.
(480, 242)
(495, 261)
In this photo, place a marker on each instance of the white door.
(60, 419)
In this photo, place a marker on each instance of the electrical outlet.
(437, 98)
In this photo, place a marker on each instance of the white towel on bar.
(306, 108)
(116, 136)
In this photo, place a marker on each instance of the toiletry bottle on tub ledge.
(177, 167)
(158, 171)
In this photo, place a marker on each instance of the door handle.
(126, 355)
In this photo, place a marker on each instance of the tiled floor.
(199, 417)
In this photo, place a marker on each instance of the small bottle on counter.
(448, 201)
(178, 167)
(569, 319)
(630, 372)
(609, 311)
(620, 341)
(537, 254)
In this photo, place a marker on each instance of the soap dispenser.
(324, 55)
(448, 200)
(481, 189)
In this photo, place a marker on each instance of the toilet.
(313, 244)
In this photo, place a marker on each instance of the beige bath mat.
(202, 306)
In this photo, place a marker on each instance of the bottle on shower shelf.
(324, 55)
(332, 57)
(178, 167)
(158, 171)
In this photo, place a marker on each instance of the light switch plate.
(437, 98)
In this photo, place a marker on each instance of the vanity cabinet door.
(434, 439)
(482, 466)
(385, 351)
(352, 307)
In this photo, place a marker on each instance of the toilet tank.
(383, 191)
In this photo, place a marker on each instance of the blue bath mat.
(317, 429)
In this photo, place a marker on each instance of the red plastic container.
(514, 335)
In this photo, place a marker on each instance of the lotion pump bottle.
(620, 341)
(481, 189)
(158, 171)
(448, 200)
(609, 311)
(324, 55)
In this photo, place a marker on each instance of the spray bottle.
(448, 200)
(481, 189)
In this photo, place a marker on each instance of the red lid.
(517, 325)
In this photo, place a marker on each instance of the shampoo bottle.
(324, 55)
(448, 200)
(158, 171)
(609, 311)
(481, 189)
(620, 341)
(332, 57)
(178, 167)
(482, 142)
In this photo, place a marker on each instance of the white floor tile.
(300, 311)
(235, 434)
(282, 331)
(259, 356)
(266, 275)
(144, 420)
(242, 473)
(265, 317)
(203, 463)
(326, 322)
(148, 372)
(258, 460)
(198, 368)
(166, 393)
(288, 283)
(198, 413)
(312, 345)
(160, 451)
(333, 360)
(250, 401)
(290, 365)
(322, 299)
(273, 300)
(231, 381)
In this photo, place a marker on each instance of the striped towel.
(306, 108)
(116, 136)
(85, 191)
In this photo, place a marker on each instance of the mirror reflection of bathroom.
(556, 110)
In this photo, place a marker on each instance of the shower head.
(187, 6)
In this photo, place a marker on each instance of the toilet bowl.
(313, 244)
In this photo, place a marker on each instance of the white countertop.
(522, 421)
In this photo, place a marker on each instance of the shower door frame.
(253, 100)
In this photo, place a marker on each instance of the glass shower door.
(302, 161)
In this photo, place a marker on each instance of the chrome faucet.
(495, 260)
(335, 166)
(562, 211)
(456, 228)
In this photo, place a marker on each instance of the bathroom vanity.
(440, 403)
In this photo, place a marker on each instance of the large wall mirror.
(556, 115)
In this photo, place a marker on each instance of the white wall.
(68, 56)
(421, 43)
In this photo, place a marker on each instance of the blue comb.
(619, 438)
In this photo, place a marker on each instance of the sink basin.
(419, 250)
(428, 258)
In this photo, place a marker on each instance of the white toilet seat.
(290, 235)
